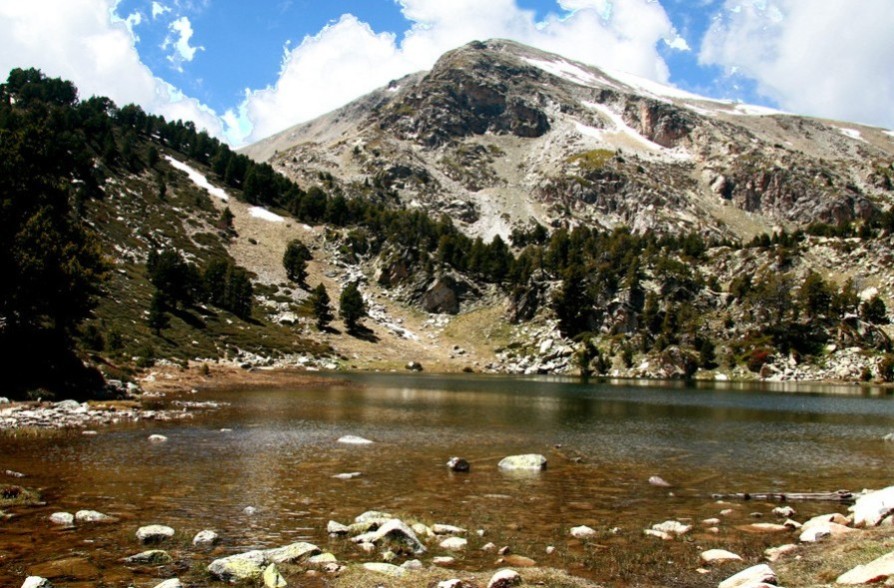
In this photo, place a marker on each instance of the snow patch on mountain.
(264, 214)
(198, 179)
(566, 71)
(852, 133)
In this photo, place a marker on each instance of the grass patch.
(818, 565)
(592, 160)
(12, 495)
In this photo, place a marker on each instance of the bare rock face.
(441, 296)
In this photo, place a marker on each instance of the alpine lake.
(277, 451)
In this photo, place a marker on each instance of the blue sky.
(244, 70)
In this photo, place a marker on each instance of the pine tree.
(295, 259)
(351, 307)
(158, 313)
(319, 302)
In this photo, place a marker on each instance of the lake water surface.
(278, 454)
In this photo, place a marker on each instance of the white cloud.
(829, 58)
(347, 58)
(79, 40)
(159, 9)
(178, 40)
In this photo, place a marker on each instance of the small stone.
(488, 547)
(529, 462)
(354, 440)
(763, 528)
(206, 538)
(458, 464)
(172, 583)
(335, 528)
(412, 564)
(819, 531)
(505, 579)
(452, 583)
(347, 476)
(243, 567)
(454, 544)
(712, 522)
(14, 474)
(718, 556)
(389, 556)
(659, 482)
(272, 578)
(154, 533)
(759, 574)
(660, 534)
(322, 559)
(505, 550)
(583, 532)
(550, 550)
(784, 512)
(443, 561)
(372, 516)
(37, 582)
(157, 438)
(65, 519)
(672, 528)
(422, 530)
(439, 529)
(366, 547)
(154, 557)
(92, 516)
(518, 561)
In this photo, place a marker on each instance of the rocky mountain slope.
(498, 135)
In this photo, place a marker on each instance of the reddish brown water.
(603, 443)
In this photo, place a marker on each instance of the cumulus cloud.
(159, 9)
(79, 40)
(178, 40)
(347, 58)
(829, 58)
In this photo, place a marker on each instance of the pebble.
(206, 537)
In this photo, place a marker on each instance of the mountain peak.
(499, 135)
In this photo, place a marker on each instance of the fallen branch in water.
(836, 496)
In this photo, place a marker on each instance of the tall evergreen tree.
(320, 305)
(351, 307)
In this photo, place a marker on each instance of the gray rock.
(154, 533)
(372, 516)
(242, 567)
(292, 553)
(412, 564)
(154, 557)
(531, 461)
(774, 553)
(395, 531)
(439, 529)
(414, 366)
(206, 538)
(444, 561)
(4, 400)
(66, 519)
(92, 516)
(272, 578)
(718, 556)
(454, 544)
(672, 528)
(755, 575)
(334, 528)
(658, 481)
(157, 438)
(458, 464)
(249, 510)
(172, 583)
(784, 512)
(871, 508)
(37, 582)
(347, 476)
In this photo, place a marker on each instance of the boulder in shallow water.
(205, 538)
(154, 533)
(396, 531)
(37, 582)
(527, 462)
(272, 578)
(92, 516)
(154, 557)
(242, 567)
(292, 553)
(66, 519)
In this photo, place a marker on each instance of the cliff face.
(500, 135)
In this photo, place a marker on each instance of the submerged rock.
(458, 464)
(396, 531)
(92, 516)
(154, 557)
(335, 528)
(531, 461)
(157, 438)
(386, 569)
(659, 482)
